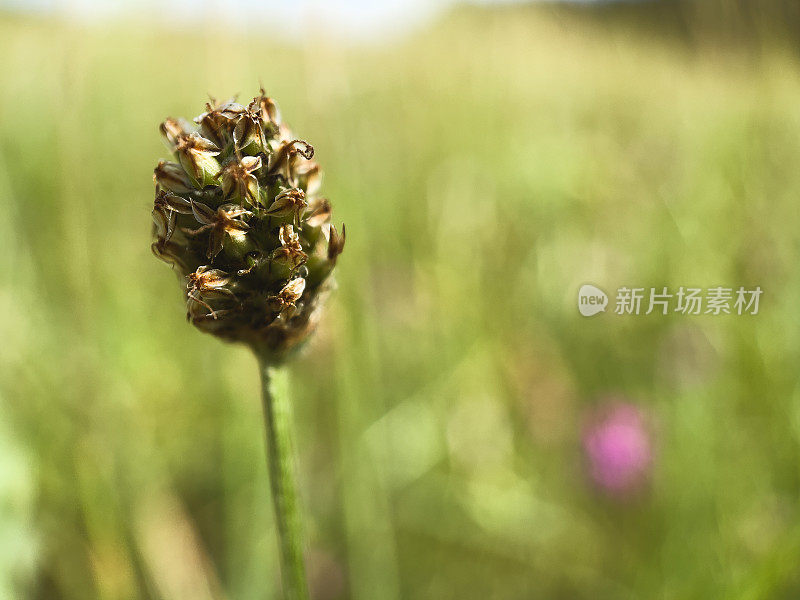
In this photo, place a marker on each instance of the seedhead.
(238, 215)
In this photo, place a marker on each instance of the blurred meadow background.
(487, 160)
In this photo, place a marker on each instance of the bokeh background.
(488, 159)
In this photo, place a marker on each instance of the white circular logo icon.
(591, 300)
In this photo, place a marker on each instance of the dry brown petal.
(319, 212)
(293, 290)
(165, 206)
(171, 176)
(335, 243)
(174, 130)
(221, 222)
(291, 202)
(237, 178)
(282, 161)
(308, 176)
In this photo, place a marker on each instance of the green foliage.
(486, 168)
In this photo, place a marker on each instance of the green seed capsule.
(238, 216)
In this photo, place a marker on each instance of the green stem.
(280, 456)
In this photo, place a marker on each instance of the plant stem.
(280, 456)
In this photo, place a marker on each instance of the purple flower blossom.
(618, 448)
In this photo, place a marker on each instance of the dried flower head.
(238, 216)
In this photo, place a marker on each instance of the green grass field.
(485, 167)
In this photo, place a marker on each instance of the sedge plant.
(238, 215)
